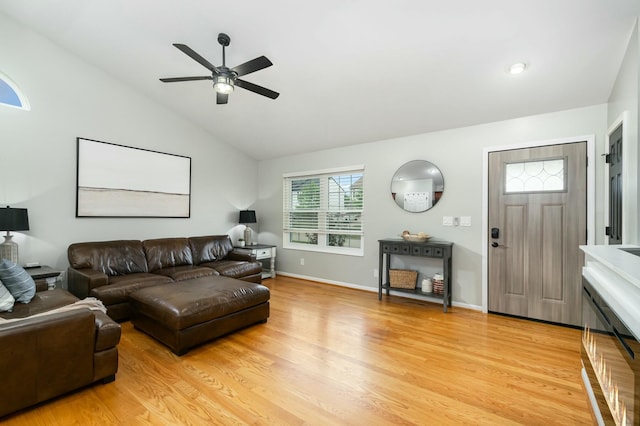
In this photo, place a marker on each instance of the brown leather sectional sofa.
(112, 270)
(46, 355)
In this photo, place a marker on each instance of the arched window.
(11, 95)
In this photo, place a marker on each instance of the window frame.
(322, 228)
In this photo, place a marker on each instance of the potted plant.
(241, 242)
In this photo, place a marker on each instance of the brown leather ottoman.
(187, 313)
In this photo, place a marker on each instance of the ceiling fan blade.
(252, 66)
(257, 89)
(221, 98)
(196, 57)
(175, 79)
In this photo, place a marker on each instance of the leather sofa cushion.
(43, 301)
(122, 286)
(186, 272)
(167, 253)
(234, 268)
(181, 305)
(109, 257)
(210, 248)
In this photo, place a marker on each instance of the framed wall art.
(121, 181)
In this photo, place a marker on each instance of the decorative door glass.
(535, 176)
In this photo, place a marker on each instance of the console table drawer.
(263, 253)
(434, 251)
(419, 250)
(396, 249)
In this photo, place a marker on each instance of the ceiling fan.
(224, 78)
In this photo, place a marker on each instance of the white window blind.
(323, 211)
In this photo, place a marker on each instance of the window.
(323, 211)
(10, 94)
(535, 176)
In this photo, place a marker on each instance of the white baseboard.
(375, 290)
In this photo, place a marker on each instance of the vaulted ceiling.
(349, 72)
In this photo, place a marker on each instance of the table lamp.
(247, 216)
(12, 220)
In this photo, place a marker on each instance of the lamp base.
(9, 249)
(247, 235)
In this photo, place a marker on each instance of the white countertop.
(615, 274)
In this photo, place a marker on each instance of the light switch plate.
(465, 220)
(447, 220)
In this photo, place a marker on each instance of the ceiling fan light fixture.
(223, 84)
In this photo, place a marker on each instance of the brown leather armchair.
(48, 355)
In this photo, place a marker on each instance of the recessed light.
(517, 68)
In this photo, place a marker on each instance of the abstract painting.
(120, 181)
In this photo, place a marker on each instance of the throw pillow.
(6, 299)
(18, 281)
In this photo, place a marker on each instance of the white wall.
(624, 98)
(458, 154)
(70, 98)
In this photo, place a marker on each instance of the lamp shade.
(14, 219)
(247, 216)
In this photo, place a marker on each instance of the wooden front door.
(537, 220)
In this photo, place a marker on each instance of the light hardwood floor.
(332, 356)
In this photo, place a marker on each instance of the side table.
(44, 276)
(264, 253)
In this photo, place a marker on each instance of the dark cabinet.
(430, 249)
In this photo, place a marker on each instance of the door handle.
(494, 244)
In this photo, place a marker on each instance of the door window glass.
(535, 176)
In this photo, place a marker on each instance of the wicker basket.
(438, 285)
(403, 278)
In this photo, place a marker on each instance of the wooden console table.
(431, 249)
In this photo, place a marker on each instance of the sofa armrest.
(234, 255)
(108, 332)
(82, 281)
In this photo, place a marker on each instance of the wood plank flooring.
(336, 356)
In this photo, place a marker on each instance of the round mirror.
(417, 186)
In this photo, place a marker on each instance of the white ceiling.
(349, 72)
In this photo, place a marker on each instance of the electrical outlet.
(375, 273)
(447, 220)
(302, 261)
